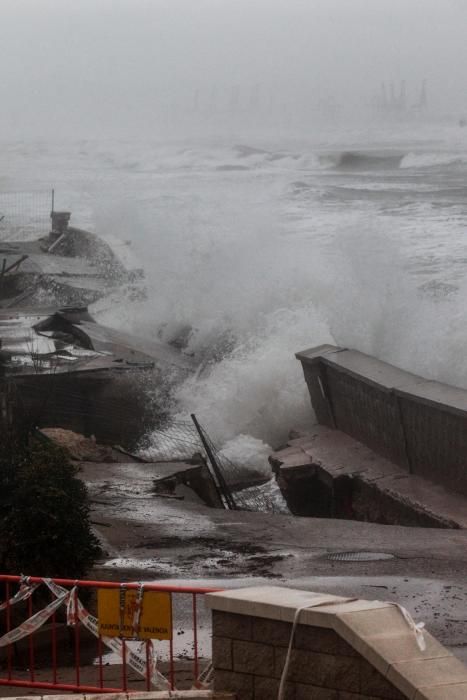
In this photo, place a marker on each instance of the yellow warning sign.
(118, 616)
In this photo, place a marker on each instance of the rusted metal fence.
(51, 638)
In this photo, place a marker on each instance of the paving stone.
(416, 675)
(353, 626)
(383, 650)
(453, 691)
(288, 451)
(291, 461)
(280, 603)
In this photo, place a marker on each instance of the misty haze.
(288, 173)
(191, 193)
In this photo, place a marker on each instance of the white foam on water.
(248, 452)
(259, 273)
(258, 389)
(430, 160)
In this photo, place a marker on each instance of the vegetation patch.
(44, 511)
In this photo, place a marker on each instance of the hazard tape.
(145, 665)
(25, 591)
(416, 627)
(138, 609)
(33, 623)
(77, 612)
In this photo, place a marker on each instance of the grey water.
(257, 249)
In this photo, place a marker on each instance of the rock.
(78, 446)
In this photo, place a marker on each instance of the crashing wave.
(432, 160)
(367, 160)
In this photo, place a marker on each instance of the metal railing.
(51, 638)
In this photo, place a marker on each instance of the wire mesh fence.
(181, 440)
(178, 440)
(25, 215)
(238, 484)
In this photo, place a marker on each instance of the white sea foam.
(254, 273)
(248, 452)
(431, 160)
(224, 256)
(258, 389)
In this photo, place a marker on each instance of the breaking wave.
(245, 267)
(432, 160)
(368, 160)
(353, 161)
(381, 161)
(246, 275)
(258, 389)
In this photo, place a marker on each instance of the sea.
(256, 248)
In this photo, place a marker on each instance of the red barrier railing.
(38, 613)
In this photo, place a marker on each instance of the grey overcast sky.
(82, 66)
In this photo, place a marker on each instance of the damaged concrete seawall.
(418, 424)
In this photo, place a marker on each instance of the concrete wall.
(343, 649)
(418, 424)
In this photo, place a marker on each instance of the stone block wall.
(249, 655)
(343, 649)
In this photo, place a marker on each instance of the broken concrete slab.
(329, 474)
(418, 424)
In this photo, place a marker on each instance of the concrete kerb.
(376, 630)
(150, 695)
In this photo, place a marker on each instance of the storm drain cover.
(359, 556)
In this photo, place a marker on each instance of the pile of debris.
(67, 267)
(66, 369)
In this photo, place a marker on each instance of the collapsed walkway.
(389, 447)
(325, 473)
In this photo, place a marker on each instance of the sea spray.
(249, 268)
(258, 389)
